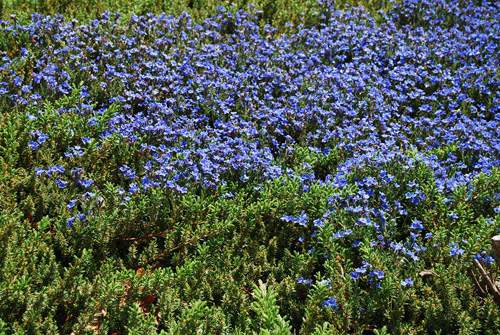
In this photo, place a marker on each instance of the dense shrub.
(163, 175)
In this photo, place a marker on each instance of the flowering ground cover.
(276, 12)
(164, 175)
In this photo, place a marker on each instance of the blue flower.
(39, 171)
(360, 271)
(355, 275)
(61, 183)
(484, 258)
(455, 250)
(34, 145)
(57, 169)
(127, 172)
(379, 274)
(342, 233)
(133, 188)
(407, 282)
(70, 222)
(417, 225)
(330, 302)
(86, 183)
(300, 220)
(304, 281)
(42, 137)
(195, 119)
(71, 204)
(319, 222)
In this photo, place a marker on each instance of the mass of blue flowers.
(225, 101)
(387, 126)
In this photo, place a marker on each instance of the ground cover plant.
(280, 13)
(160, 174)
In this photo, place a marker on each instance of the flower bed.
(155, 170)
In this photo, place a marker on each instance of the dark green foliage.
(276, 12)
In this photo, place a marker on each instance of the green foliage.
(268, 320)
(276, 12)
(190, 267)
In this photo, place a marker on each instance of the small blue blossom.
(57, 169)
(70, 222)
(34, 145)
(342, 233)
(417, 225)
(330, 302)
(379, 274)
(300, 220)
(39, 171)
(484, 258)
(134, 188)
(302, 280)
(455, 250)
(407, 282)
(71, 204)
(61, 183)
(127, 172)
(86, 183)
